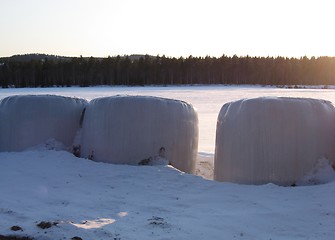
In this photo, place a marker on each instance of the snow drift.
(30, 120)
(137, 129)
(276, 140)
(107, 201)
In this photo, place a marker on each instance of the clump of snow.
(29, 120)
(154, 161)
(133, 129)
(323, 172)
(274, 139)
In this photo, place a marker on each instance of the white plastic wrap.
(29, 120)
(275, 140)
(134, 129)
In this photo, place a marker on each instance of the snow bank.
(31, 120)
(276, 140)
(101, 201)
(134, 129)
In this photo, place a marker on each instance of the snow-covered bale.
(29, 120)
(135, 129)
(276, 140)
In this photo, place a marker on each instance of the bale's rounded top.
(138, 97)
(14, 98)
(284, 99)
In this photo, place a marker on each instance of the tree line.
(49, 71)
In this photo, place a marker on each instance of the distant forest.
(39, 70)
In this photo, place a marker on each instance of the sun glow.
(174, 28)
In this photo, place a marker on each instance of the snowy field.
(104, 201)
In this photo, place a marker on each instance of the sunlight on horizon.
(172, 28)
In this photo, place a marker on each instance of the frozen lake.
(208, 100)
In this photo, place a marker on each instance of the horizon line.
(177, 57)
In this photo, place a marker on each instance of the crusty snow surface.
(94, 200)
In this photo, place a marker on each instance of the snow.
(95, 200)
(134, 129)
(271, 139)
(321, 173)
(32, 119)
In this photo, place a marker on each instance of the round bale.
(29, 120)
(135, 129)
(276, 140)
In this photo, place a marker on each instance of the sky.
(101, 28)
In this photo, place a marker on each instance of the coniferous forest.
(39, 70)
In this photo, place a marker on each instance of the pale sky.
(99, 28)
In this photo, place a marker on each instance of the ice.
(31, 120)
(133, 129)
(273, 139)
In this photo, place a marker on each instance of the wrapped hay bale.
(29, 120)
(137, 129)
(275, 140)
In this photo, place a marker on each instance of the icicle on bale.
(30, 120)
(275, 140)
(129, 129)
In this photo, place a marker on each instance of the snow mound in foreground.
(30, 120)
(93, 200)
(276, 140)
(133, 129)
